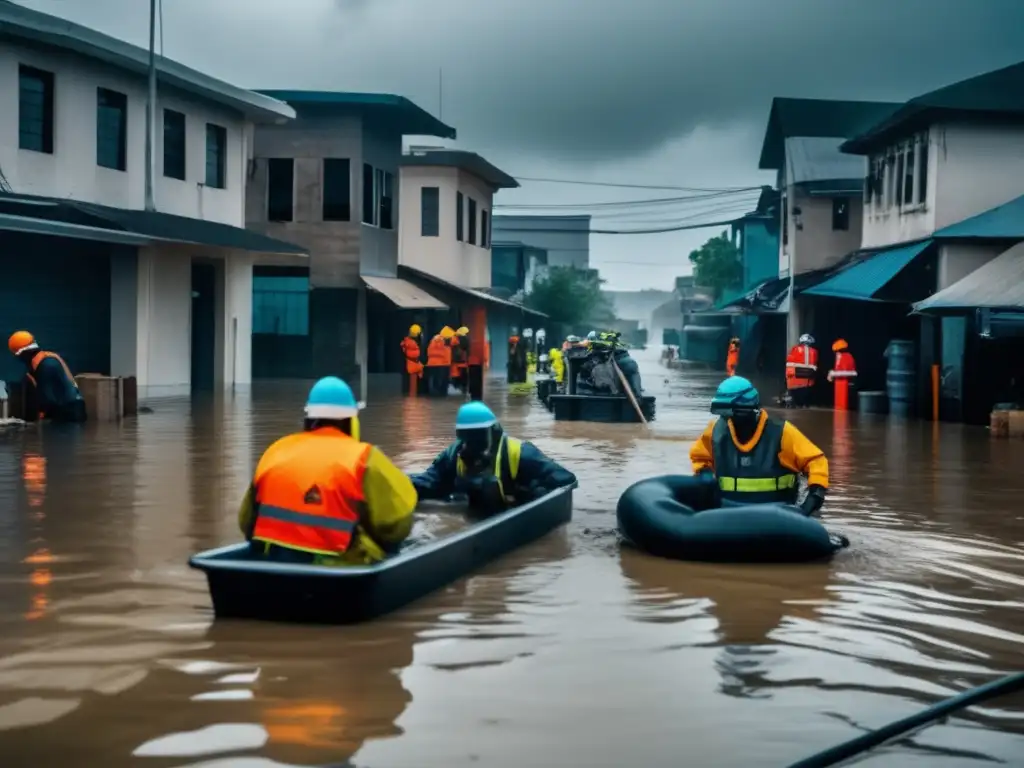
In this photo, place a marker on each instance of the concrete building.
(821, 188)
(565, 238)
(164, 295)
(329, 181)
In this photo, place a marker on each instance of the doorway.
(204, 325)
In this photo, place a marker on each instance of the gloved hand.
(814, 500)
(707, 475)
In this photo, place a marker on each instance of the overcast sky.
(668, 93)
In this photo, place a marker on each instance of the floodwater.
(570, 652)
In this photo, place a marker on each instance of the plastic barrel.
(901, 376)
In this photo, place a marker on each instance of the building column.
(234, 322)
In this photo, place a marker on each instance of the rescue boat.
(658, 515)
(245, 587)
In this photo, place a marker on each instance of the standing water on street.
(570, 651)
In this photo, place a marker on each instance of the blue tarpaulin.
(863, 279)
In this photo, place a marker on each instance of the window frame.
(485, 228)
(471, 208)
(327, 207)
(841, 214)
(167, 173)
(284, 213)
(46, 116)
(219, 180)
(460, 217)
(430, 201)
(121, 151)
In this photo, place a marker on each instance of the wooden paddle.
(629, 393)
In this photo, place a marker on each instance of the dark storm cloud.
(584, 80)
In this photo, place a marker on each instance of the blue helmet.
(474, 415)
(735, 394)
(332, 398)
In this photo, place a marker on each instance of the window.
(174, 145)
(280, 189)
(485, 234)
(280, 305)
(907, 196)
(378, 197)
(35, 109)
(840, 214)
(922, 165)
(337, 189)
(459, 228)
(785, 223)
(897, 179)
(111, 129)
(471, 223)
(216, 156)
(430, 214)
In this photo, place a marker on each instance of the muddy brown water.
(570, 652)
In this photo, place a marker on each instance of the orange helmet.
(21, 341)
(840, 345)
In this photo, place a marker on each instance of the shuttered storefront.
(59, 290)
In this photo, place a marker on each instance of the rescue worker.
(801, 368)
(516, 367)
(413, 360)
(322, 497)
(557, 365)
(732, 357)
(494, 471)
(439, 364)
(753, 458)
(843, 374)
(459, 343)
(52, 392)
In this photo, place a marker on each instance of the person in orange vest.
(460, 357)
(413, 363)
(439, 363)
(843, 374)
(52, 390)
(801, 368)
(322, 497)
(732, 357)
(516, 367)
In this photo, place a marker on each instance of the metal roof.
(20, 23)
(817, 158)
(993, 93)
(999, 285)
(1003, 221)
(412, 120)
(403, 294)
(470, 162)
(815, 117)
(474, 292)
(863, 279)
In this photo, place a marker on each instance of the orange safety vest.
(39, 357)
(309, 491)
(438, 352)
(732, 360)
(411, 350)
(846, 366)
(801, 366)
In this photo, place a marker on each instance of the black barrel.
(901, 376)
(872, 402)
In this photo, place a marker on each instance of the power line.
(635, 186)
(651, 201)
(657, 231)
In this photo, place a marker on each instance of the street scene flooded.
(571, 651)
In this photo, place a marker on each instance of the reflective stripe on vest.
(755, 476)
(309, 492)
(506, 464)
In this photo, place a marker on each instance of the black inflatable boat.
(659, 515)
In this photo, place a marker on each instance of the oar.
(872, 739)
(629, 393)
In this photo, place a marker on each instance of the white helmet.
(592, 336)
(542, 334)
(806, 339)
(528, 333)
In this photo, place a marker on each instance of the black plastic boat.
(245, 587)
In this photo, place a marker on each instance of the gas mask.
(477, 448)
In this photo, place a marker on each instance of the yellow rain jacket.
(557, 364)
(390, 500)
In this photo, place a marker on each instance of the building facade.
(565, 238)
(329, 181)
(162, 295)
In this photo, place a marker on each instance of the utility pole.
(440, 94)
(151, 111)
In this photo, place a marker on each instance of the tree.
(570, 295)
(717, 265)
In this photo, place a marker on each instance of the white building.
(165, 296)
(448, 196)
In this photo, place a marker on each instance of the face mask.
(476, 444)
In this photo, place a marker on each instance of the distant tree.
(717, 265)
(570, 295)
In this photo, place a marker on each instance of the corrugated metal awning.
(403, 294)
(863, 279)
(997, 285)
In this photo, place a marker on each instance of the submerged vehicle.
(243, 586)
